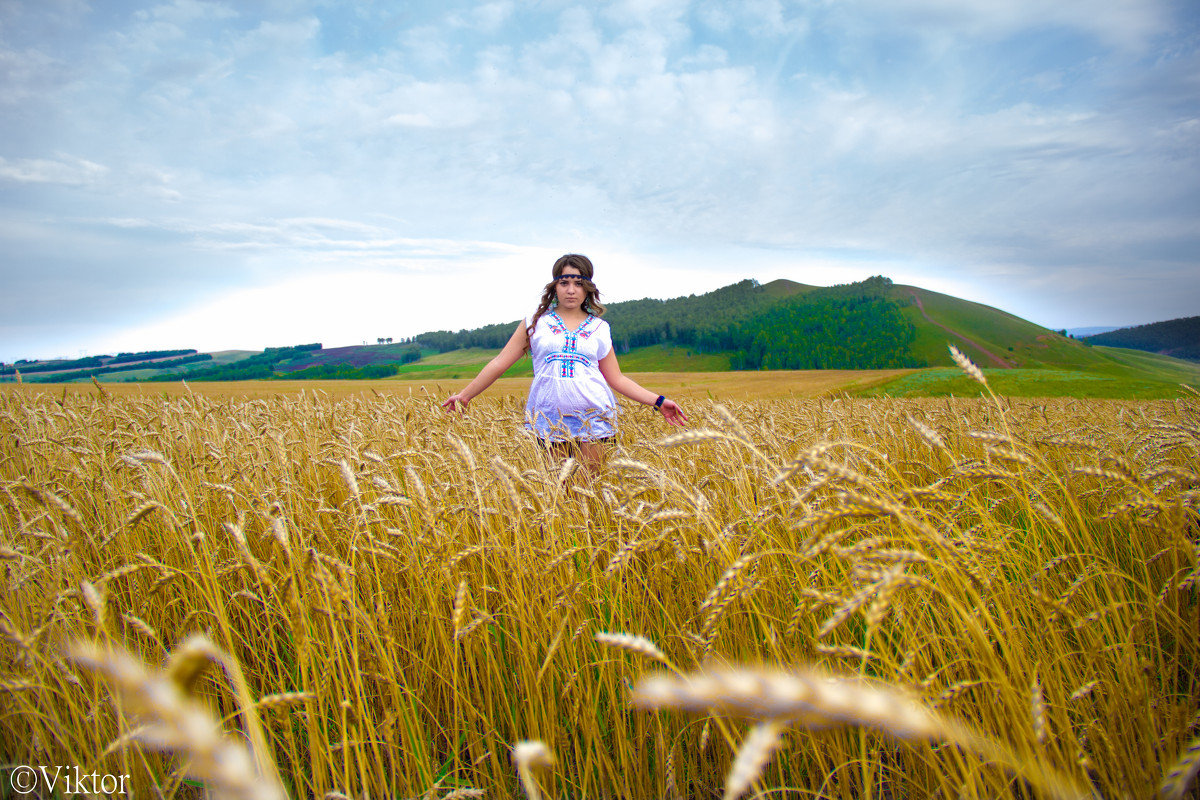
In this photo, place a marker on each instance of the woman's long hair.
(591, 301)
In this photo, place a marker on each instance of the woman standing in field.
(571, 407)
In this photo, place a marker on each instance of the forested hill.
(1177, 337)
(782, 325)
(872, 324)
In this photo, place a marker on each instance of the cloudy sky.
(270, 172)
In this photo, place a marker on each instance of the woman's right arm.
(508, 356)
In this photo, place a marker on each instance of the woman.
(571, 407)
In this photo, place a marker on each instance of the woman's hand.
(672, 413)
(458, 402)
(491, 371)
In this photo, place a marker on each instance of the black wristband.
(658, 403)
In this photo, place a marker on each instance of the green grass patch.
(657, 358)
(1152, 366)
(951, 382)
(459, 365)
(466, 363)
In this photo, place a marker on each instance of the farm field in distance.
(383, 599)
(680, 385)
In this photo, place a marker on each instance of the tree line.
(256, 367)
(1176, 337)
(849, 326)
(83, 374)
(31, 367)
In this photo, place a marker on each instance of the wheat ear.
(527, 755)
(1179, 777)
(813, 700)
(177, 723)
(967, 365)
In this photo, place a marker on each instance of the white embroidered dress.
(569, 398)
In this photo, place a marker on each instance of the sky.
(237, 175)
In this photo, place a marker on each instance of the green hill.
(784, 324)
(872, 324)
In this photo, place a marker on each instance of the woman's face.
(571, 293)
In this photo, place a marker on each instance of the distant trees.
(66, 377)
(256, 367)
(101, 363)
(124, 358)
(1175, 337)
(28, 368)
(490, 337)
(827, 333)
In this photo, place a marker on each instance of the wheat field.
(305, 596)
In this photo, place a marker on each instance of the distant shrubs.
(342, 372)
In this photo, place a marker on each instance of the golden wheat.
(393, 596)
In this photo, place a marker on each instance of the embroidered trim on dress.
(567, 362)
(569, 356)
(557, 325)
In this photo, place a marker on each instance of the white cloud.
(432, 105)
(182, 12)
(487, 17)
(254, 143)
(1126, 24)
(705, 56)
(761, 18)
(64, 170)
(27, 74)
(426, 48)
(661, 15)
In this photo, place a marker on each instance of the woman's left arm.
(611, 371)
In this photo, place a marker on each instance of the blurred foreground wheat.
(370, 597)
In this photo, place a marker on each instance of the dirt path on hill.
(999, 362)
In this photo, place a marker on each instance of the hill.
(873, 324)
(782, 325)
(1179, 338)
